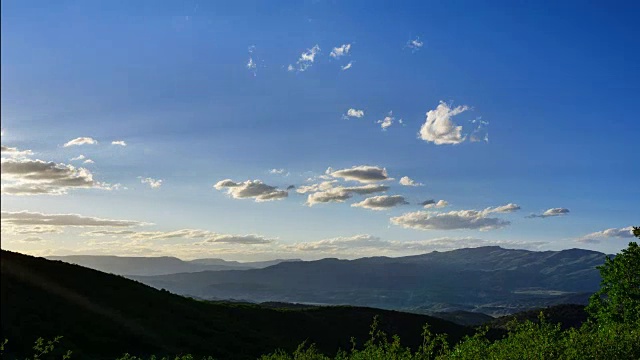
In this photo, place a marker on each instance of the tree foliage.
(618, 299)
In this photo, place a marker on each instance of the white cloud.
(251, 189)
(153, 183)
(430, 204)
(551, 213)
(306, 59)
(119, 142)
(323, 186)
(341, 243)
(78, 158)
(502, 209)
(439, 127)
(407, 181)
(81, 141)
(596, 237)
(325, 192)
(347, 67)
(452, 220)
(88, 161)
(252, 66)
(365, 244)
(382, 202)
(362, 173)
(332, 195)
(32, 239)
(387, 121)
(415, 44)
(340, 51)
(277, 171)
(354, 113)
(26, 218)
(33, 177)
(14, 152)
(204, 236)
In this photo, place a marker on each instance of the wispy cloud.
(153, 183)
(551, 213)
(598, 236)
(340, 51)
(14, 152)
(26, 218)
(415, 44)
(452, 220)
(81, 141)
(119, 142)
(306, 59)
(348, 66)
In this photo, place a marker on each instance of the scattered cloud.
(452, 220)
(325, 192)
(387, 121)
(550, 213)
(340, 51)
(502, 209)
(14, 152)
(253, 62)
(347, 67)
(279, 172)
(480, 132)
(81, 141)
(26, 218)
(430, 204)
(204, 236)
(598, 236)
(251, 189)
(119, 142)
(78, 158)
(32, 239)
(341, 243)
(306, 59)
(108, 232)
(365, 244)
(439, 127)
(153, 183)
(407, 181)
(354, 113)
(33, 177)
(382, 202)
(415, 44)
(88, 161)
(362, 173)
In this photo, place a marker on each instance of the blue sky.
(556, 83)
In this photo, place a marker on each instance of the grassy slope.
(102, 315)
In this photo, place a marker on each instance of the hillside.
(102, 315)
(162, 265)
(491, 280)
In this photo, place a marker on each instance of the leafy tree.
(618, 299)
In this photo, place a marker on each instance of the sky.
(258, 130)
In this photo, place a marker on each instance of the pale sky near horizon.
(309, 129)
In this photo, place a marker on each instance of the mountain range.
(126, 265)
(490, 280)
(102, 316)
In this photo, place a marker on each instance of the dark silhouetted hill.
(102, 316)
